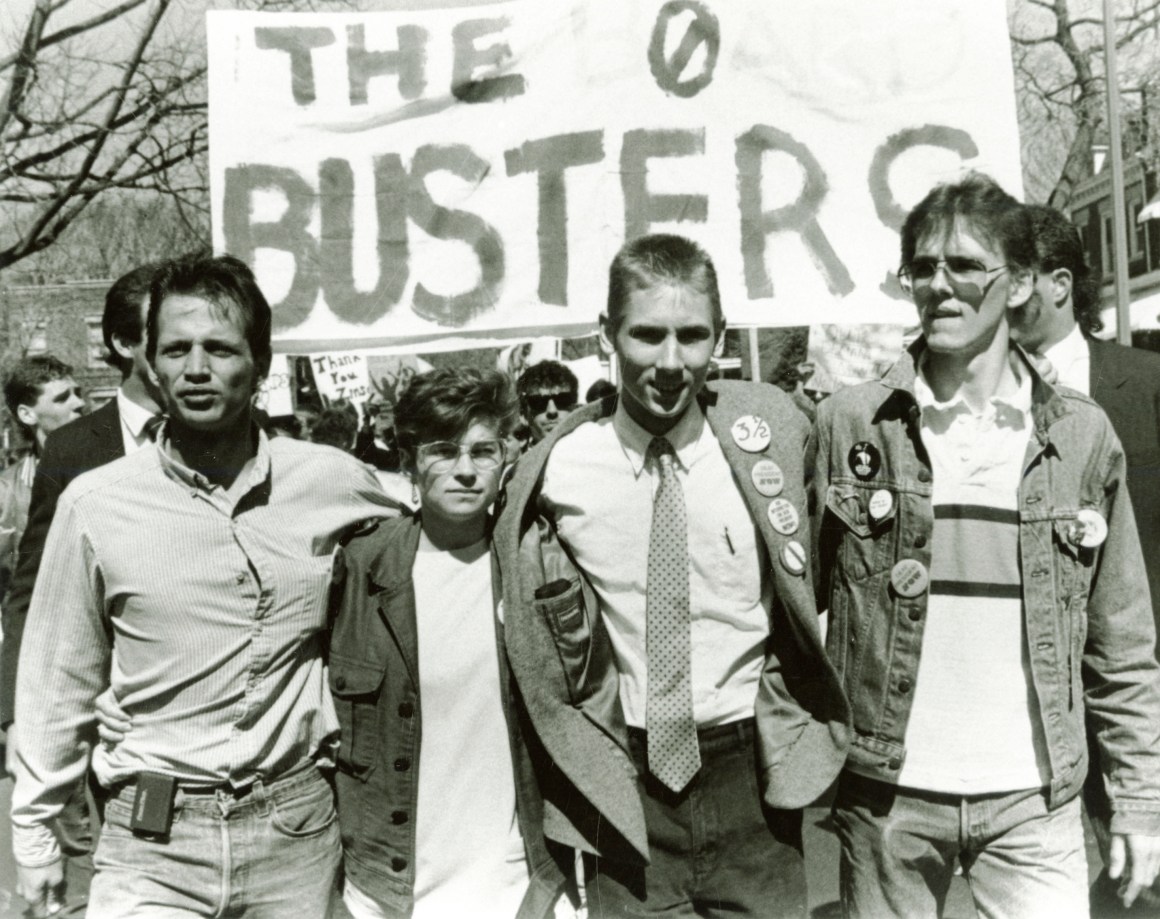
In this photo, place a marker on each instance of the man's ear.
(26, 415)
(607, 335)
(123, 348)
(1020, 288)
(1061, 284)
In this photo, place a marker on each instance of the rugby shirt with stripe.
(974, 726)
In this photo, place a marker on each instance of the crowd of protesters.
(487, 651)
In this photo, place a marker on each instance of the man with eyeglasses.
(548, 392)
(979, 558)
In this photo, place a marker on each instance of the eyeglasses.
(960, 271)
(538, 403)
(442, 455)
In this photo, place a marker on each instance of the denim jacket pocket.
(862, 550)
(355, 686)
(568, 619)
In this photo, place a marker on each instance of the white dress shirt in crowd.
(1072, 360)
(599, 490)
(133, 421)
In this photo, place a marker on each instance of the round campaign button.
(767, 478)
(784, 516)
(1089, 530)
(751, 433)
(864, 460)
(881, 504)
(909, 578)
(793, 557)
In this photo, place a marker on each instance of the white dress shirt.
(600, 493)
(1072, 360)
(133, 421)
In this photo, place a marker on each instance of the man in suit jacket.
(1058, 323)
(660, 619)
(120, 426)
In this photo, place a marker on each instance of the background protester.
(41, 396)
(1058, 323)
(548, 392)
(190, 578)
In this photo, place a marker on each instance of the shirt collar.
(686, 436)
(1064, 353)
(1011, 403)
(133, 416)
(183, 475)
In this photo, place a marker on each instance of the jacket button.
(402, 764)
(398, 864)
(924, 475)
(340, 683)
(894, 764)
(904, 686)
(915, 615)
(920, 540)
(406, 709)
(398, 817)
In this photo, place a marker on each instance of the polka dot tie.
(673, 756)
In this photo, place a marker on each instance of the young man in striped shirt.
(978, 555)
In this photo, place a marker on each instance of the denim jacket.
(374, 679)
(1087, 616)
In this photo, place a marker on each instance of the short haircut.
(1058, 245)
(600, 389)
(123, 314)
(990, 213)
(661, 258)
(547, 375)
(442, 404)
(224, 281)
(25, 382)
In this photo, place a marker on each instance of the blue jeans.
(716, 849)
(271, 853)
(899, 848)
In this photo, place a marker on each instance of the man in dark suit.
(1058, 323)
(121, 425)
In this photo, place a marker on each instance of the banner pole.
(754, 356)
(1119, 228)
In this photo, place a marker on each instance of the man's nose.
(552, 410)
(670, 354)
(196, 364)
(940, 281)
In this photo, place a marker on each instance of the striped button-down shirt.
(202, 607)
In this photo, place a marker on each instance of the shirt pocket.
(356, 687)
(863, 543)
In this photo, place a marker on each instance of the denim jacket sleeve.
(1121, 676)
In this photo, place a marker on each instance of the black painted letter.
(641, 209)
(800, 217)
(549, 158)
(298, 43)
(468, 58)
(409, 62)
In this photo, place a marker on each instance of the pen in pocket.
(729, 542)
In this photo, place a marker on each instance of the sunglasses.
(960, 270)
(538, 403)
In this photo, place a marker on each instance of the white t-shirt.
(469, 854)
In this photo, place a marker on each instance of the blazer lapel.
(385, 583)
(1105, 374)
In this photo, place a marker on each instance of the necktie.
(673, 756)
(153, 425)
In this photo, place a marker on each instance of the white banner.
(454, 173)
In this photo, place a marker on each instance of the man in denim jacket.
(980, 561)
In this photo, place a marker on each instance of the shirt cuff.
(34, 846)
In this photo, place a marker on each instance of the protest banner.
(450, 175)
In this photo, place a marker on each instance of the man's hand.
(112, 722)
(1133, 860)
(42, 888)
